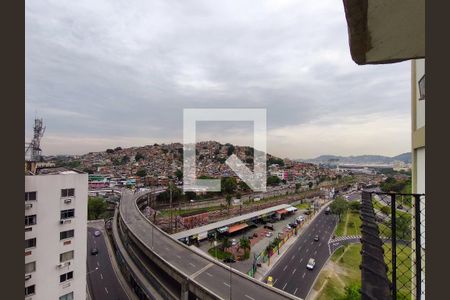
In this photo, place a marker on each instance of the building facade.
(55, 234)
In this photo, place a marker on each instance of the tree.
(138, 156)
(226, 243)
(96, 207)
(141, 173)
(354, 205)
(89, 171)
(298, 186)
(109, 151)
(245, 244)
(352, 292)
(179, 174)
(229, 185)
(243, 186)
(273, 180)
(230, 149)
(228, 199)
(117, 148)
(339, 206)
(125, 160)
(310, 184)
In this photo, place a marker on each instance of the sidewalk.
(265, 268)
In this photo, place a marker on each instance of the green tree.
(230, 149)
(354, 205)
(310, 184)
(243, 186)
(179, 174)
(109, 151)
(117, 148)
(229, 185)
(226, 243)
(386, 210)
(125, 160)
(138, 156)
(141, 173)
(273, 180)
(339, 206)
(245, 244)
(228, 199)
(96, 207)
(352, 292)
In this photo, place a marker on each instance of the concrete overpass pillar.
(184, 290)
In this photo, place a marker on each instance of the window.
(66, 256)
(67, 213)
(66, 234)
(30, 243)
(422, 88)
(67, 192)
(30, 220)
(30, 290)
(68, 296)
(66, 276)
(30, 196)
(30, 267)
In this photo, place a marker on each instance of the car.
(288, 227)
(269, 226)
(94, 251)
(97, 233)
(300, 219)
(270, 281)
(234, 242)
(229, 260)
(311, 263)
(400, 206)
(293, 225)
(269, 234)
(255, 234)
(327, 210)
(308, 212)
(316, 238)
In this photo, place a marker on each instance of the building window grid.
(30, 196)
(63, 257)
(66, 234)
(68, 296)
(67, 214)
(30, 290)
(30, 267)
(30, 243)
(30, 220)
(67, 192)
(66, 276)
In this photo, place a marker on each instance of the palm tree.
(245, 244)
(228, 198)
(225, 243)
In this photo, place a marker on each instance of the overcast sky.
(107, 73)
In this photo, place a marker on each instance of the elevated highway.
(178, 271)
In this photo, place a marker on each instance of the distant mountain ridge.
(360, 159)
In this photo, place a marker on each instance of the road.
(290, 273)
(103, 283)
(201, 270)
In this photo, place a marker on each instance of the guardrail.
(393, 246)
(187, 282)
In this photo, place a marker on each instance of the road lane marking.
(101, 275)
(179, 257)
(301, 260)
(294, 271)
(106, 290)
(209, 274)
(304, 275)
(249, 297)
(315, 252)
(226, 284)
(299, 248)
(307, 250)
(98, 265)
(293, 256)
(320, 244)
(295, 292)
(284, 286)
(275, 281)
(192, 264)
(284, 269)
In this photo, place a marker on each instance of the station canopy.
(237, 227)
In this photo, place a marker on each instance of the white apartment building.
(55, 234)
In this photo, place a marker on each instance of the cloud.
(111, 70)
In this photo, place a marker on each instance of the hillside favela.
(254, 150)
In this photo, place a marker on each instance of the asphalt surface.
(290, 273)
(103, 283)
(216, 277)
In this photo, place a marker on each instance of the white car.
(268, 234)
(97, 233)
(311, 263)
(288, 227)
(233, 242)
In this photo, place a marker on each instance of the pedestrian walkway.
(345, 238)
